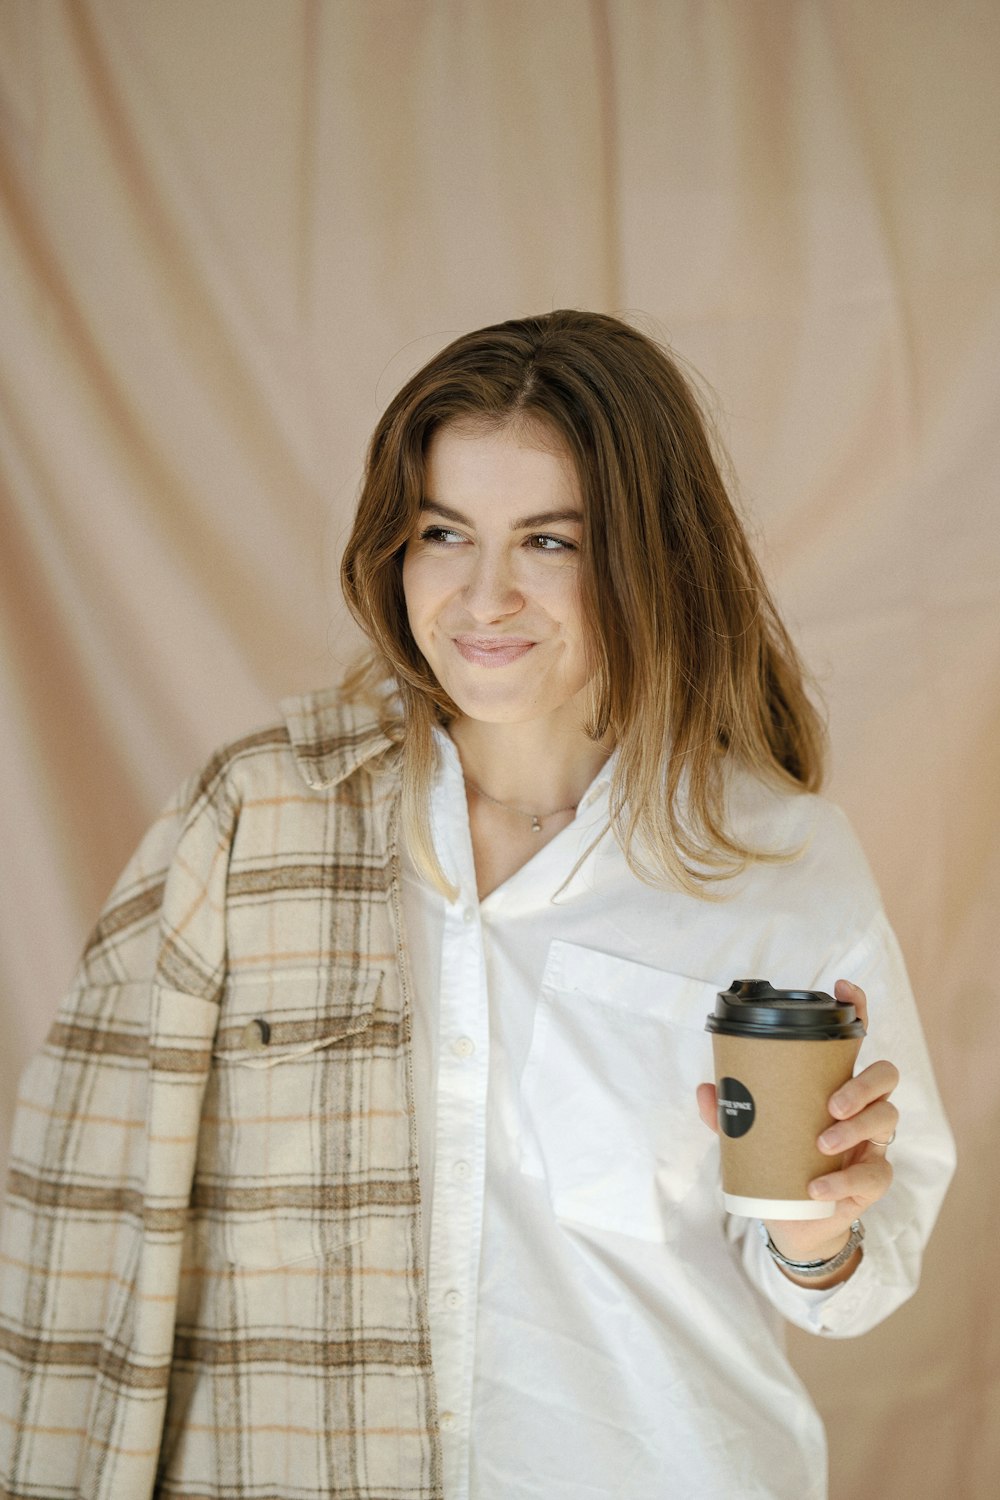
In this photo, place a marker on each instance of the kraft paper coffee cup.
(779, 1055)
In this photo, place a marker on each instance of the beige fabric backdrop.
(230, 229)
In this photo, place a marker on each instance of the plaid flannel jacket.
(212, 1279)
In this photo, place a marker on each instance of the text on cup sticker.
(735, 1107)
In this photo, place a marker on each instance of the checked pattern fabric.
(211, 1277)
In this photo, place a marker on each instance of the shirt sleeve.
(898, 1227)
(102, 1160)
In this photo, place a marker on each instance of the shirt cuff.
(835, 1311)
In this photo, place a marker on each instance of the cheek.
(414, 588)
(570, 607)
(578, 630)
(424, 597)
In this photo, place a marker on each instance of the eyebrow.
(523, 523)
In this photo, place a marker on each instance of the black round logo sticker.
(736, 1108)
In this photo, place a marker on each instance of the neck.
(528, 765)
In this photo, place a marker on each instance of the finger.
(874, 1125)
(874, 1082)
(708, 1105)
(863, 1183)
(852, 994)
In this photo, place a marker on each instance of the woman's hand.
(864, 1121)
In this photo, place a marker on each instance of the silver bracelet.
(815, 1267)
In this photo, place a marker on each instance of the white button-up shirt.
(600, 1327)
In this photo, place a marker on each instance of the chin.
(495, 709)
(492, 712)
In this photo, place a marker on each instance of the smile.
(496, 651)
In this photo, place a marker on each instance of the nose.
(491, 592)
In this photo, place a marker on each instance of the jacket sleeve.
(102, 1159)
(923, 1157)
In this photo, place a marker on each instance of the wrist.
(807, 1241)
(824, 1266)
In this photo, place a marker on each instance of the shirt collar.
(331, 738)
(562, 866)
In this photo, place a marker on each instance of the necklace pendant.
(536, 826)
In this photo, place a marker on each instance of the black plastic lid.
(751, 1007)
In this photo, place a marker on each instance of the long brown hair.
(693, 669)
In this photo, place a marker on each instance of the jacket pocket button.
(256, 1034)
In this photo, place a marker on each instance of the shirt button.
(256, 1035)
(448, 1420)
(468, 915)
(461, 1170)
(463, 1046)
(453, 1299)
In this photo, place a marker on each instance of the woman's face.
(491, 575)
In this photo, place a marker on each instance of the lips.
(492, 651)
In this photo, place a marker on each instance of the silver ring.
(884, 1143)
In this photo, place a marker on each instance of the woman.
(365, 1157)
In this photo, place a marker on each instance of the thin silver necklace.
(536, 818)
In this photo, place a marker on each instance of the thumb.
(853, 994)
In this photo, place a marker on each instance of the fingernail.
(820, 1188)
(831, 1139)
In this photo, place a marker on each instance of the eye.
(550, 544)
(441, 534)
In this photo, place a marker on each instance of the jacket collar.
(330, 738)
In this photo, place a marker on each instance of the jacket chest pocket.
(284, 1159)
(609, 1116)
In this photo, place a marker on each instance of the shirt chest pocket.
(284, 1168)
(609, 1116)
